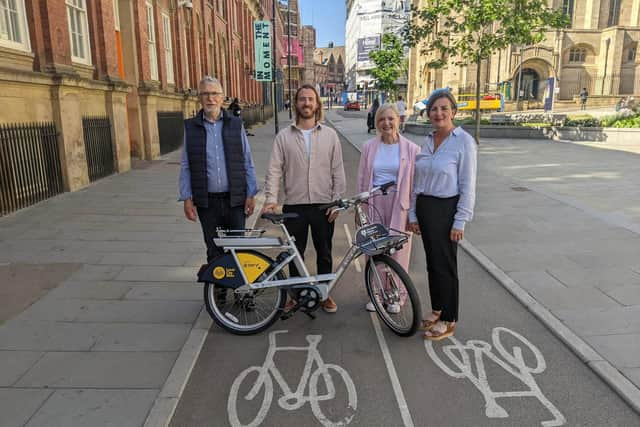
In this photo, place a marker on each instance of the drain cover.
(520, 189)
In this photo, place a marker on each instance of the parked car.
(352, 105)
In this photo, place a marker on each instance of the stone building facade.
(332, 80)
(598, 51)
(126, 60)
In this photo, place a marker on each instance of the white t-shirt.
(307, 140)
(386, 164)
(402, 107)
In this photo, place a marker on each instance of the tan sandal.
(435, 335)
(428, 324)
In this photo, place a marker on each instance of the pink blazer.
(404, 182)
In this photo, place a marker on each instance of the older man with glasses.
(217, 176)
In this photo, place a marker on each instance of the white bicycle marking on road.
(511, 363)
(293, 400)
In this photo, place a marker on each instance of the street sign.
(262, 43)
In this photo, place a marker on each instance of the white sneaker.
(370, 307)
(393, 308)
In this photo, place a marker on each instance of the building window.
(151, 43)
(168, 47)
(222, 8)
(116, 15)
(614, 12)
(13, 25)
(577, 55)
(631, 54)
(212, 55)
(567, 8)
(79, 31)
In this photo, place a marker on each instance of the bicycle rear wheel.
(248, 312)
(393, 295)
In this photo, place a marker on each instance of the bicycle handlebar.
(345, 203)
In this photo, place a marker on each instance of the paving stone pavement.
(559, 225)
(108, 330)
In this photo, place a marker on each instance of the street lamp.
(519, 79)
(289, 51)
(273, 69)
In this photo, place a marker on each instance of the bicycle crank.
(307, 299)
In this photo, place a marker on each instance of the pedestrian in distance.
(217, 181)
(584, 94)
(307, 156)
(389, 157)
(234, 107)
(402, 111)
(371, 115)
(442, 202)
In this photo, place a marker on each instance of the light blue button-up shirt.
(217, 180)
(446, 172)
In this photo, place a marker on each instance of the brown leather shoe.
(329, 305)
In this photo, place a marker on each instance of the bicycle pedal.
(311, 315)
(288, 314)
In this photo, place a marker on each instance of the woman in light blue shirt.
(442, 201)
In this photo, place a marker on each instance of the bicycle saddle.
(278, 218)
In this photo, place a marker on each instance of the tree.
(389, 61)
(470, 31)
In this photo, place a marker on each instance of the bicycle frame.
(324, 283)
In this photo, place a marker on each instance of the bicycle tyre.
(229, 322)
(412, 296)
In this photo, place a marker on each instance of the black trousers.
(435, 217)
(321, 233)
(219, 214)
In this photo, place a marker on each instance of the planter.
(615, 136)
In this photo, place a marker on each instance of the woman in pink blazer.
(389, 157)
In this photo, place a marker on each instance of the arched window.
(577, 55)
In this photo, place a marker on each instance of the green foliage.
(582, 121)
(628, 122)
(390, 63)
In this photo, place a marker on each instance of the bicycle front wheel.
(393, 295)
(248, 312)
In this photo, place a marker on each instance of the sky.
(328, 17)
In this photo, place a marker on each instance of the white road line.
(393, 376)
(356, 262)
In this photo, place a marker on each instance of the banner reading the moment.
(262, 43)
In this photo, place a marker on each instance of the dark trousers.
(321, 233)
(435, 217)
(219, 214)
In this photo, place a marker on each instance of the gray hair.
(209, 80)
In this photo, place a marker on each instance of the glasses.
(208, 94)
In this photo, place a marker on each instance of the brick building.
(134, 65)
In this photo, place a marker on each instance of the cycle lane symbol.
(511, 362)
(292, 400)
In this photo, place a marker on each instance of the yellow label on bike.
(218, 273)
(252, 265)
